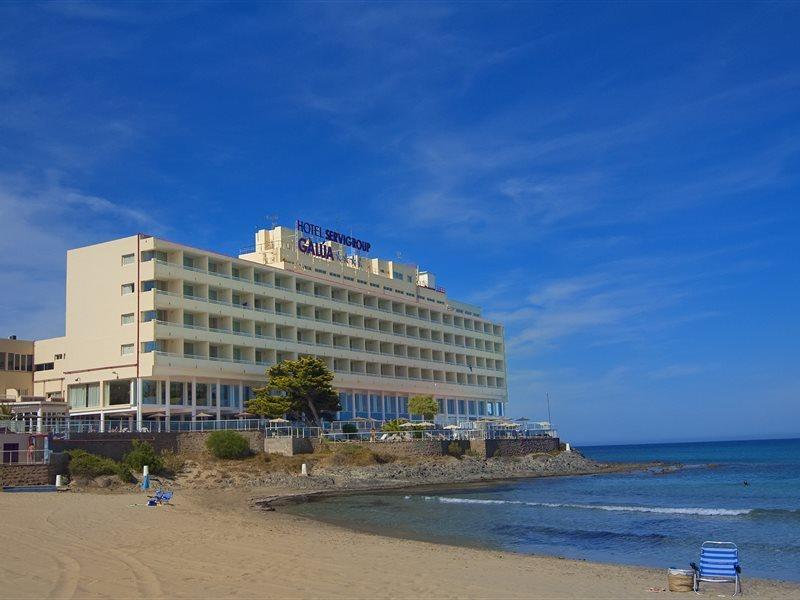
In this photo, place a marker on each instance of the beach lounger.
(719, 563)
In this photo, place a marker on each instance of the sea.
(747, 492)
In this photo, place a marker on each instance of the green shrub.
(228, 444)
(173, 462)
(83, 465)
(497, 453)
(454, 449)
(142, 454)
(354, 455)
(471, 453)
(351, 430)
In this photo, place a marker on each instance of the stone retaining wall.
(516, 447)
(115, 445)
(26, 475)
(483, 448)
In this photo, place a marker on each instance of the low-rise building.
(16, 368)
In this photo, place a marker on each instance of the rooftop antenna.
(273, 219)
(549, 418)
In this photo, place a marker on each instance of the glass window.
(490, 409)
(188, 289)
(127, 318)
(127, 259)
(2, 361)
(149, 391)
(126, 349)
(375, 405)
(481, 408)
(118, 392)
(127, 288)
(451, 406)
(473, 409)
(440, 402)
(176, 392)
(225, 395)
(202, 394)
(462, 408)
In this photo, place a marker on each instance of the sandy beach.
(210, 545)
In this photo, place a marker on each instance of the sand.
(210, 545)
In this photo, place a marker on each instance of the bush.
(353, 455)
(497, 453)
(173, 462)
(454, 449)
(228, 444)
(472, 453)
(83, 465)
(394, 425)
(142, 454)
(351, 431)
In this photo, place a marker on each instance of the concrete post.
(219, 401)
(40, 420)
(241, 397)
(167, 404)
(139, 397)
(102, 421)
(194, 399)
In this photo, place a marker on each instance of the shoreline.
(268, 503)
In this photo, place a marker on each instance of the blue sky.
(616, 183)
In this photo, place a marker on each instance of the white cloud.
(40, 223)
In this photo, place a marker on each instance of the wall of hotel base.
(115, 445)
(411, 448)
(27, 474)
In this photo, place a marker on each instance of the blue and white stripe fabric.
(718, 561)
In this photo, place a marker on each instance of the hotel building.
(159, 329)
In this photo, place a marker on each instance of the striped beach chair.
(719, 563)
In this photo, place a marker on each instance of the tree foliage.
(305, 389)
(423, 405)
(394, 425)
(267, 405)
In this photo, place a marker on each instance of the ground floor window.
(84, 395)
(118, 392)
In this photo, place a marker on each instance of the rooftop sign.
(321, 249)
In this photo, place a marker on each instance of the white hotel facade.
(156, 329)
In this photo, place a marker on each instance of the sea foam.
(715, 512)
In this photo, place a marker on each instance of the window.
(397, 275)
(45, 367)
(127, 288)
(126, 349)
(127, 259)
(58, 357)
(118, 392)
(2, 361)
(127, 318)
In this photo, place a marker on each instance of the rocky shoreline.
(348, 480)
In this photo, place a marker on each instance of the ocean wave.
(714, 512)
